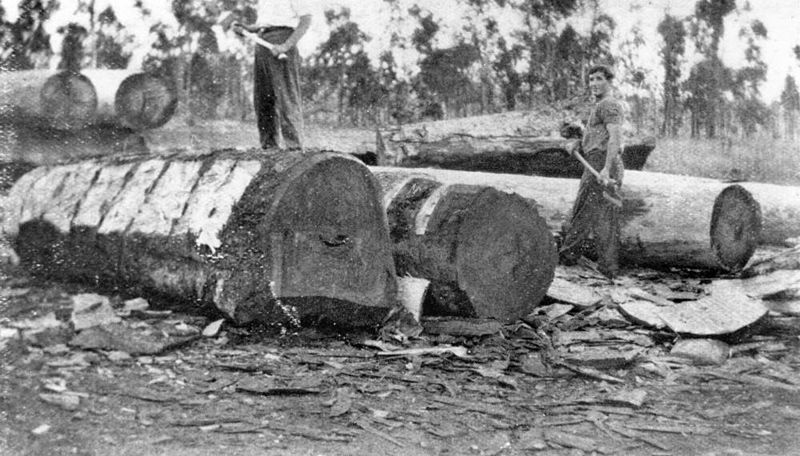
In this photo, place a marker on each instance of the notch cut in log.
(669, 221)
(262, 237)
(487, 253)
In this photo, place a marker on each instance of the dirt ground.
(148, 378)
(525, 388)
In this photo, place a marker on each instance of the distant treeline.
(544, 60)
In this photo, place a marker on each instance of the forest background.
(693, 73)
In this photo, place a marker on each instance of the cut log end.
(506, 256)
(144, 101)
(735, 227)
(328, 239)
(68, 100)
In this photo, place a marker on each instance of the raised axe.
(607, 184)
(228, 21)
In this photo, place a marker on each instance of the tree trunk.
(511, 142)
(48, 100)
(487, 253)
(262, 237)
(69, 101)
(668, 220)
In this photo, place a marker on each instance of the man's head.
(600, 79)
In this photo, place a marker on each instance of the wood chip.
(460, 352)
(723, 312)
(702, 352)
(644, 313)
(573, 293)
(570, 440)
(367, 427)
(470, 327)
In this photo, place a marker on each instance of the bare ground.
(260, 391)
(583, 383)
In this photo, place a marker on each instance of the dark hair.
(605, 69)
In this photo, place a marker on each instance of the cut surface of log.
(511, 142)
(271, 237)
(667, 219)
(68, 101)
(144, 101)
(487, 253)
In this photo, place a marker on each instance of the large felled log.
(486, 253)
(511, 142)
(62, 101)
(72, 101)
(668, 220)
(265, 237)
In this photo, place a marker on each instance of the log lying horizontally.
(70, 101)
(511, 142)
(668, 221)
(487, 253)
(265, 237)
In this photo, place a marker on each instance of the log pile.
(260, 237)
(511, 142)
(668, 221)
(487, 253)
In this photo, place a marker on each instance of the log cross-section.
(269, 237)
(487, 253)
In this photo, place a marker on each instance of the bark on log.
(512, 142)
(487, 253)
(668, 220)
(267, 237)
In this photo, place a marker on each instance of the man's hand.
(604, 178)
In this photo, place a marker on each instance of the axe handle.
(251, 36)
(612, 199)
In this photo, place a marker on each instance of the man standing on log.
(276, 89)
(594, 228)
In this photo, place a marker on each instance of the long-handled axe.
(228, 21)
(608, 184)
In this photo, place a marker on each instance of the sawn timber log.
(63, 100)
(277, 237)
(511, 142)
(668, 220)
(486, 253)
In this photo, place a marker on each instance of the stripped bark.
(487, 253)
(266, 237)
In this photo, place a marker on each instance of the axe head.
(226, 20)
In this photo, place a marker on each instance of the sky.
(781, 18)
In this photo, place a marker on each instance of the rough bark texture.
(487, 253)
(268, 237)
(511, 142)
(667, 221)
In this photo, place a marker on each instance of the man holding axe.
(279, 26)
(594, 228)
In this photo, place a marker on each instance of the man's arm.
(297, 34)
(614, 147)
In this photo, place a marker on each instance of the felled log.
(487, 253)
(261, 237)
(668, 220)
(61, 101)
(72, 101)
(511, 142)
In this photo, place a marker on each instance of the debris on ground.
(702, 351)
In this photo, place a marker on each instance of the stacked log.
(486, 253)
(668, 221)
(511, 142)
(260, 237)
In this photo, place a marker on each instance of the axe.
(608, 191)
(228, 21)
